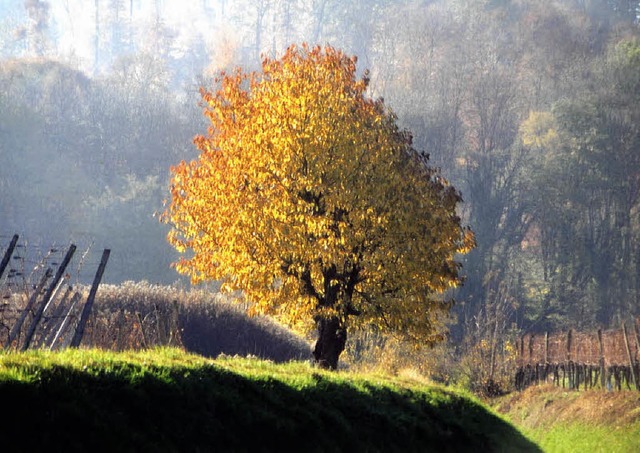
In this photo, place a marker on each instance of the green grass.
(168, 400)
(570, 437)
(561, 420)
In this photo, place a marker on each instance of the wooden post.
(546, 347)
(47, 297)
(602, 369)
(56, 318)
(74, 300)
(636, 331)
(531, 340)
(568, 360)
(120, 321)
(631, 364)
(18, 325)
(7, 254)
(53, 296)
(145, 343)
(161, 326)
(637, 355)
(77, 337)
(174, 330)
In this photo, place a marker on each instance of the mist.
(531, 108)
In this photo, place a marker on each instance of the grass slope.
(561, 420)
(167, 400)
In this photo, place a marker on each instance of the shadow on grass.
(211, 409)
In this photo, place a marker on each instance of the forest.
(531, 108)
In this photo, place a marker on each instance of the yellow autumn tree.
(308, 197)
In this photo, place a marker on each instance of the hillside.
(140, 315)
(561, 420)
(167, 400)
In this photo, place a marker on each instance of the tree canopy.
(308, 197)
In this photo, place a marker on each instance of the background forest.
(530, 107)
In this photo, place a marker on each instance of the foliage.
(589, 194)
(308, 197)
(166, 400)
(90, 155)
(487, 369)
(484, 368)
(529, 108)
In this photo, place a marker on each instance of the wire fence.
(607, 359)
(35, 312)
(40, 307)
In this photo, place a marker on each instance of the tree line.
(529, 107)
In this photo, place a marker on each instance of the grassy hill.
(561, 420)
(168, 400)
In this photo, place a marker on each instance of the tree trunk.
(332, 337)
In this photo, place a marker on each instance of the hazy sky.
(73, 22)
(76, 21)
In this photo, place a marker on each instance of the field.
(169, 400)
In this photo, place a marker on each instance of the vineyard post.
(522, 351)
(568, 366)
(637, 335)
(161, 326)
(145, 343)
(56, 317)
(47, 297)
(7, 254)
(637, 359)
(546, 347)
(74, 300)
(18, 325)
(120, 335)
(602, 370)
(631, 364)
(174, 329)
(77, 337)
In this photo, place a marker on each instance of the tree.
(38, 28)
(308, 197)
(589, 193)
